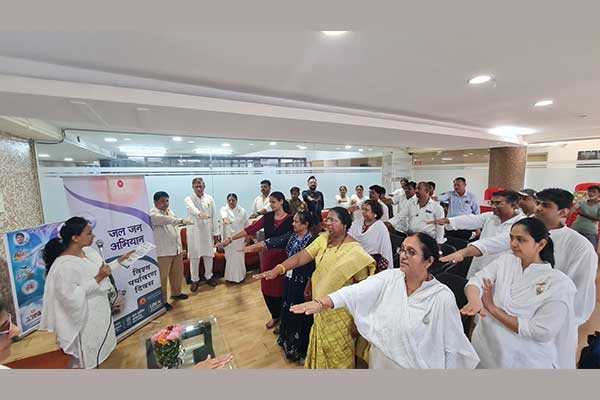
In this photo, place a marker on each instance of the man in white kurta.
(574, 255)
(202, 235)
(423, 330)
(541, 298)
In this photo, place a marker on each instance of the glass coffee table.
(201, 337)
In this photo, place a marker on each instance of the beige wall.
(20, 190)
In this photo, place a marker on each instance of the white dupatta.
(433, 339)
(524, 297)
(376, 240)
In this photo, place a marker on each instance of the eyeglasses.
(6, 328)
(410, 252)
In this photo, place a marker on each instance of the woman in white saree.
(76, 305)
(526, 305)
(373, 235)
(233, 219)
(410, 319)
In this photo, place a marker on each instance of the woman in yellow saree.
(340, 261)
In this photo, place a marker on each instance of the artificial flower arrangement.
(166, 344)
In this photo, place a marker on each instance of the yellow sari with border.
(331, 344)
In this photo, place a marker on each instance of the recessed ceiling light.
(43, 155)
(191, 141)
(370, 149)
(347, 147)
(250, 144)
(479, 79)
(361, 149)
(68, 159)
(177, 139)
(127, 139)
(225, 145)
(110, 139)
(544, 103)
(334, 33)
(273, 143)
(511, 131)
(302, 147)
(446, 158)
(338, 148)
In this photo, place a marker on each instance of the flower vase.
(169, 356)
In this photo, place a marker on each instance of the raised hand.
(224, 243)
(473, 308)
(455, 257)
(308, 308)
(268, 275)
(126, 256)
(214, 363)
(441, 221)
(253, 248)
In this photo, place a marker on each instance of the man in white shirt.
(377, 193)
(261, 204)
(203, 234)
(574, 255)
(168, 247)
(398, 196)
(498, 222)
(419, 216)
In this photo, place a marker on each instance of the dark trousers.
(274, 306)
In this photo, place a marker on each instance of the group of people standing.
(331, 295)
(334, 298)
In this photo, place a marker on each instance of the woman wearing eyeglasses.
(7, 332)
(410, 318)
(340, 261)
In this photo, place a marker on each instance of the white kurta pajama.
(542, 300)
(77, 310)
(235, 267)
(423, 330)
(574, 256)
(201, 211)
(376, 240)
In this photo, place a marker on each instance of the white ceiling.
(411, 69)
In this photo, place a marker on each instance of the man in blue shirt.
(460, 202)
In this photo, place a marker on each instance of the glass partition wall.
(169, 163)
